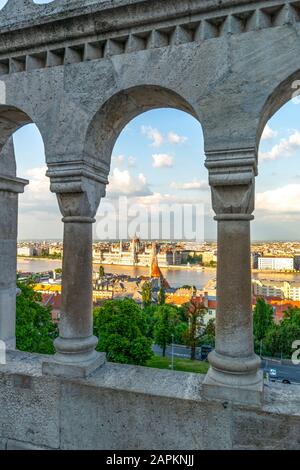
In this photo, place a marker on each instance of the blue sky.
(159, 158)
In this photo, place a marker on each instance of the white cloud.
(154, 135)
(268, 133)
(123, 183)
(285, 148)
(38, 190)
(156, 199)
(158, 139)
(284, 199)
(39, 214)
(195, 184)
(131, 161)
(162, 160)
(174, 138)
(118, 159)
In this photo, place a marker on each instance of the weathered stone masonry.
(81, 70)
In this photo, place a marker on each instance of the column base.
(234, 379)
(10, 344)
(81, 369)
(236, 388)
(75, 357)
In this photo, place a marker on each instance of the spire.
(155, 272)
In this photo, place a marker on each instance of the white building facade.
(276, 263)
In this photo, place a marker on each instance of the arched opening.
(119, 110)
(39, 215)
(275, 231)
(152, 141)
(23, 222)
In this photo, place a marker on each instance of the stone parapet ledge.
(281, 398)
(131, 407)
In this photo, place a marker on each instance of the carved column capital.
(232, 180)
(12, 184)
(78, 190)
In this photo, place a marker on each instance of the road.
(288, 371)
(179, 351)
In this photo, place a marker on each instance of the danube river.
(176, 277)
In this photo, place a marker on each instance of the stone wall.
(129, 407)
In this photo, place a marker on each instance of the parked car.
(274, 377)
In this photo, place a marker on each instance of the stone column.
(234, 373)
(78, 199)
(10, 187)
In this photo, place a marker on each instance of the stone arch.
(11, 119)
(280, 95)
(119, 110)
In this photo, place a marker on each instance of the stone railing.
(130, 407)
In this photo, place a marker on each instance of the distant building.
(138, 254)
(267, 289)
(55, 250)
(209, 257)
(210, 303)
(276, 263)
(179, 296)
(282, 290)
(25, 251)
(291, 290)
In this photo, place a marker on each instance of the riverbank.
(37, 258)
(271, 271)
(95, 263)
(258, 273)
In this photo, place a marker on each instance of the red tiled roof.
(212, 304)
(51, 300)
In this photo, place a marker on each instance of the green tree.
(180, 332)
(289, 329)
(150, 312)
(35, 330)
(194, 259)
(147, 294)
(167, 319)
(195, 313)
(278, 338)
(161, 296)
(121, 326)
(263, 318)
(101, 272)
(187, 286)
(209, 334)
(272, 341)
